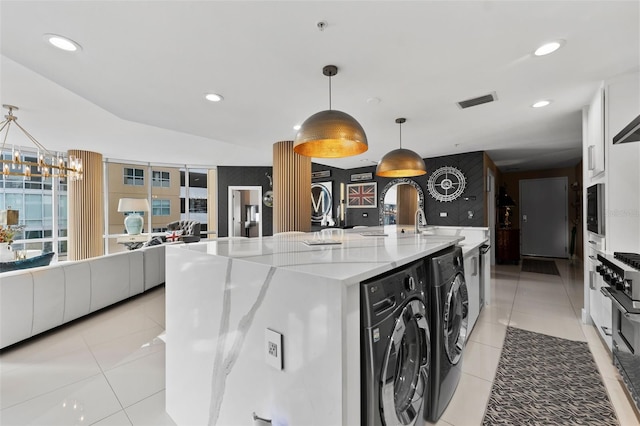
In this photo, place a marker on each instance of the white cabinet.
(599, 305)
(623, 174)
(595, 134)
(472, 279)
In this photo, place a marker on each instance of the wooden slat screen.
(291, 189)
(86, 208)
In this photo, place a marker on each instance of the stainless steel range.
(622, 272)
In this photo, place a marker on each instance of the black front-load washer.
(395, 347)
(449, 321)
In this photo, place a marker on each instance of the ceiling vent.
(478, 101)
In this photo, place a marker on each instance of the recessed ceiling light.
(297, 127)
(548, 48)
(62, 43)
(213, 97)
(541, 104)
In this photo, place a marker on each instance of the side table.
(133, 242)
(508, 246)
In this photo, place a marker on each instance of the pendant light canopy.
(401, 162)
(330, 133)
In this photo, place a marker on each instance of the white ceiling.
(135, 90)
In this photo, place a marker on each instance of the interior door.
(237, 214)
(544, 217)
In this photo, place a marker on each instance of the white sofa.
(36, 300)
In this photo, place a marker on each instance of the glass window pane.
(33, 204)
(15, 202)
(47, 208)
(197, 204)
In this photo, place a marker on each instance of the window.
(161, 207)
(160, 179)
(133, 176)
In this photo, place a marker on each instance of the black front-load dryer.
(395, 347)
(449, 321)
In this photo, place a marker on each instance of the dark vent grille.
(477, 101)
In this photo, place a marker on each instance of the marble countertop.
(360, 253)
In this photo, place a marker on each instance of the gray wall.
(242, 176)
(472, 199)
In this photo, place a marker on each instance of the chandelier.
(46, 164)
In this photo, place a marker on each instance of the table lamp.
(133, 222)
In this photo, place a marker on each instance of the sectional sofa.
(36, 300)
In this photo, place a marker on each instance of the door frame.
(491, 212)
(230, 190)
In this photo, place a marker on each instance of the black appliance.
(622, 274)
(396, 347)
(595, 208)
(449, 327)
(631, 132)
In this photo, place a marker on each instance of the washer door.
(404, 377)
(456, 319)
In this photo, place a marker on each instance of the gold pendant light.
(330, 133)
(401, 162)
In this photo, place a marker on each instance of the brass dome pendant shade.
(401, 162)
(330, 133)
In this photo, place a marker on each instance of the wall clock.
(446, 184)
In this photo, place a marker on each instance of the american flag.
(362, 195)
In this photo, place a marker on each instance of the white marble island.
(222, 296)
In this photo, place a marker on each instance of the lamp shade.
(330, 134)
(401, 163)
(133, 205)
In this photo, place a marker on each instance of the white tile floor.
(108, 369)
(537, 302)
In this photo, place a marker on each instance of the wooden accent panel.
(86, 208)
(291, 189)
(407, 199)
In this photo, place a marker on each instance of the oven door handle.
(631, 317)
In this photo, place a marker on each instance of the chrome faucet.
(420, 216)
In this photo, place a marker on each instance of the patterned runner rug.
(540, 266)
(545, 380)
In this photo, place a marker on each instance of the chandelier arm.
(32, 139)
(6, 124)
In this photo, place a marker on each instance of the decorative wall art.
(362, 195)
(321, 201)
(321, 174)
(361, 176)
(446, 184)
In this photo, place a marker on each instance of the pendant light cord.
(329, 93)
(400, 135)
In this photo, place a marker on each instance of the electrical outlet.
(444, 214)
(273, 349)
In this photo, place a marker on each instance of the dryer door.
(405, 370)
(456, 319)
